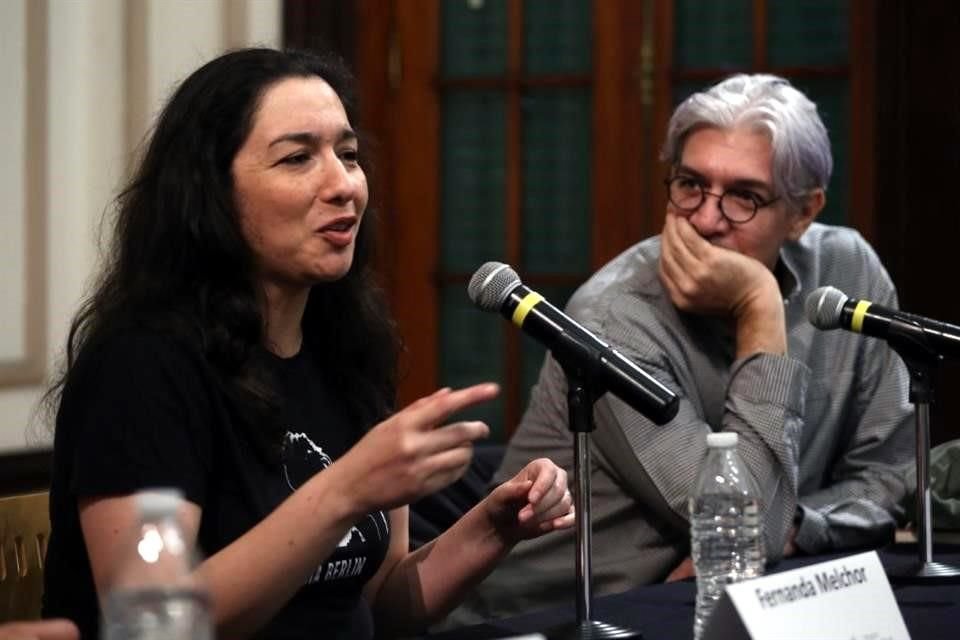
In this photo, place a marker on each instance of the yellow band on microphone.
(856, 322)
(524, 306)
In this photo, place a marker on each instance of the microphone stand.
(581, 395)
(921, 362)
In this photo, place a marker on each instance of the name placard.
(848, 598)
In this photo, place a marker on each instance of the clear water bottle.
(153, 594)
(726, 526)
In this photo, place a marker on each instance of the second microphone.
(497, 287)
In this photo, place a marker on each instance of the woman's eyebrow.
(308, 137)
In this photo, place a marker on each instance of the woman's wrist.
(500, 524)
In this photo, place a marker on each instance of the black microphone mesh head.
(824, 307)
(491, 284)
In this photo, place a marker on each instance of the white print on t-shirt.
(299, 446)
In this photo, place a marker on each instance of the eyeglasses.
(736, 205)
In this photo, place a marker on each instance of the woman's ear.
(811, 208)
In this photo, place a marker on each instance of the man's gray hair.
(802, 160)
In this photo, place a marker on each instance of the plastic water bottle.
(726, 526)
(153, 595)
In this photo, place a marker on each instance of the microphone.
(496, 287)
(829, 308)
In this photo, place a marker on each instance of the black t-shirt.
(143, 410)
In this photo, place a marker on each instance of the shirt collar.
(786, 273)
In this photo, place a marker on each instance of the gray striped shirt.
(830, 422)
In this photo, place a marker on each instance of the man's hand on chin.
(702, 278)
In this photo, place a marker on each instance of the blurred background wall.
(524, 131)
(81, 82)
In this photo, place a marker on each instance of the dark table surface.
(930, 611)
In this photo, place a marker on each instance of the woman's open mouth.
(340, 232)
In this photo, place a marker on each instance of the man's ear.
(811, 208)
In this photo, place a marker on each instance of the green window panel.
(713, 34)
(472, 351)
(556, 181)
(473, 38)
(558, 36)
(807, 33)
(683, 90)
(473, 180)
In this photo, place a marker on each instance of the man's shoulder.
(632, 273)
(840, 257)
(833, 242)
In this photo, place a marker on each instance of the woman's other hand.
(39, 630)
(532, 503)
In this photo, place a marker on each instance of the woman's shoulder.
(139, 353)
(139, 380)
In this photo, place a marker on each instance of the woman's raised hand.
(413, 453)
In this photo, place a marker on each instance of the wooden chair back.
(24, 532)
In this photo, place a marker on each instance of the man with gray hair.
(713, 308)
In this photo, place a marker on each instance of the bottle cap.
(159, 503)
(721, 440)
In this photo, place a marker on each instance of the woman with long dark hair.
(236, 348)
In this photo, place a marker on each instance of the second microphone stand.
(581, 396)
(921, 362)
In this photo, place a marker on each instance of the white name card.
(847, 599)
